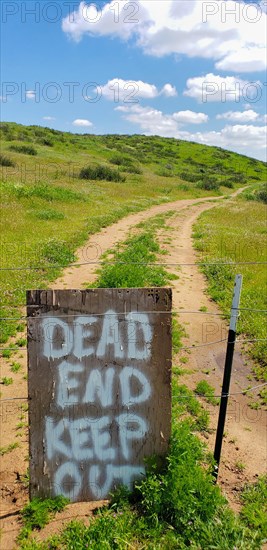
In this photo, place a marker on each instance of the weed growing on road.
(204, 389)
(8, 449)
(37, 514)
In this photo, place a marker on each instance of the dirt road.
(244, 449)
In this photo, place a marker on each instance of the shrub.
(25, 149)
(6, 161)
(209, 185)
(101, 172)
(227, 183)
(46, 141)
(119, 160)
(186, 176)
(132, 169)
(261, 195)
(164, 172)
(238, 177)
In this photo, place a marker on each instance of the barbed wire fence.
(174, 313)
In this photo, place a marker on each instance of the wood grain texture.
(99, 381)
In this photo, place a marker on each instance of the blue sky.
(190, 69)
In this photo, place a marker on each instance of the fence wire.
(221, 396)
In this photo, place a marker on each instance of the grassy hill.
(58, 187)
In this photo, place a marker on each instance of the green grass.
(6, 353)
(131, 263)
(130, 268)
(46, 192)
(15, 367)
(174, 508)
(37, 514)
(6, 381)
(204, 389)
(50, 203)
(254, 511)
(21, 342)
(8, 448)
(177, 505)
(236, 232)
(49, 215)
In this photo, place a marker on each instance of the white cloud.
(30, 94)
(153, 121)
(265, 118)
(118, 89)
(245, 139)
(49, 118)
(96, 19)
(232, 33)
(82, 122)
(247, 59)
(239, 116)
(213, 87)
(130, 91)
(190, 117)
(168, 90)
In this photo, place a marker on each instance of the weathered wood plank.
(99, 380)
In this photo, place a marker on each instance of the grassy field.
(236, 233)
(56, 188)
(179, 506)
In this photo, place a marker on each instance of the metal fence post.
(227, 373)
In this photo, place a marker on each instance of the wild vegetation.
(177, 505)
(46, 205)
(49, 209)
(234, 234)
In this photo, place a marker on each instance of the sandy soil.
(245, 439)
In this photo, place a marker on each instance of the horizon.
(194, 71)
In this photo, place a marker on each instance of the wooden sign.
(99, 388)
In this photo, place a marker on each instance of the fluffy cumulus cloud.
(153, 121)
(232, 33)
(190, 117)
(242, 138)
(239, 116)
(131, 91)
(213, 87)
(247, 59)
(169, 91)
(82, 122)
